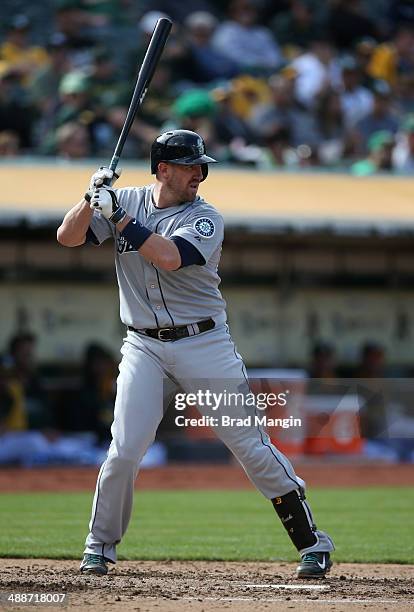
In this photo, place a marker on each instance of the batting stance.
(167, 248)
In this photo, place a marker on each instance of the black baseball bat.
(146, 72)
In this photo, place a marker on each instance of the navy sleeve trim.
(190, 255)
(91, 237)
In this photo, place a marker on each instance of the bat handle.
(112, 166)
(114, 162)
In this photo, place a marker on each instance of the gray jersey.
(150, 297)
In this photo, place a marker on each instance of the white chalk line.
(318, 601)
(293, 587)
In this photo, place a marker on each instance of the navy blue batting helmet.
(180, 147)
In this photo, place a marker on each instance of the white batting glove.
(104, 174)
(104, 200)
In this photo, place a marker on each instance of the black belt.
(170, 334)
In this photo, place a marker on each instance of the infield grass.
(372, 525)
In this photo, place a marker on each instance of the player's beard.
(192, 190)
(183, 193)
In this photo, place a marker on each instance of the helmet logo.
(200, 147)
(205, 227)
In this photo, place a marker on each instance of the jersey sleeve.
(102, 228)
(204, 230)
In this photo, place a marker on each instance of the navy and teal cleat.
(314, 565)
(93, 564)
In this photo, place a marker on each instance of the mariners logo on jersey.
(205, 227)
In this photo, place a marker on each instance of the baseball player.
(167, 244)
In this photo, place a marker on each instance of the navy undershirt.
(190, 255)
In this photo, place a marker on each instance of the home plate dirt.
(172, 586)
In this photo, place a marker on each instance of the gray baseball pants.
(208, 360)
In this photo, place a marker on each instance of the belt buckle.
(162, 331)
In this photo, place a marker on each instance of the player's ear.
(163, 170)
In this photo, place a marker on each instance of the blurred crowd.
(61, 417)
(267, 83)
(65, 416)
(37, 412)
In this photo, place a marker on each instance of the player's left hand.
(103, 176)
(104, 200)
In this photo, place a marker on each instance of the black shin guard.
(296, 517)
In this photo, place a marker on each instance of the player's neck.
(162, 197)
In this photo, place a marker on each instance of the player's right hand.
(103, 175)
(104, 200)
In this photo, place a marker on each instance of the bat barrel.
(150, 61)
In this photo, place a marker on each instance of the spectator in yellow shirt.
(394, 58)
(12, 416)
(17, 52)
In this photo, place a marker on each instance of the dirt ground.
(315, 473)
(178, 586)
(210, 586)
